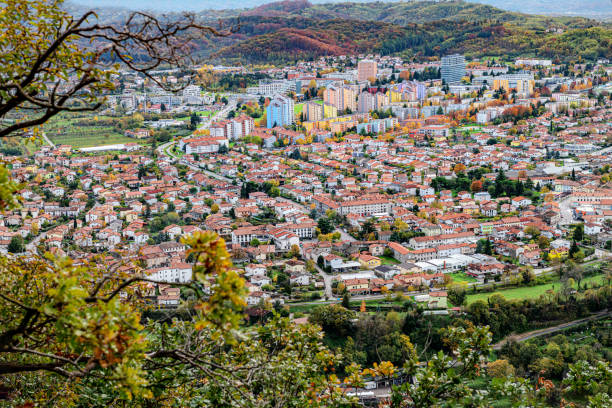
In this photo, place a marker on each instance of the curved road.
(542, 332)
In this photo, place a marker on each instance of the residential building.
(313, 111)
(280, 112)
(367, 70)
(453, 68)
(341, 97)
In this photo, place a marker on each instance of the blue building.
(280, 112)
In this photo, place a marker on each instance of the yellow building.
(357, 285)
(329, 111)
(525, 86)
(369, 261)
(501, 83)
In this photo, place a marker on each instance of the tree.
(51, 71)
(346, 301)
(500, 369)
(334, 319)
(532, 231)
(459, 168)
(214, 208)
(476, 186)
(445, 379)
(325, 225)
(528, 275)
(52, 62)
(294, 252)
(578, 234)
(66, 330)
(543, 242)
(483, 246)
(457, 294)
(16, 245)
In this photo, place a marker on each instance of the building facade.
(453, 68)
(280, 112)
(366, 70)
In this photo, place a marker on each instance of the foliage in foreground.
(75, 335)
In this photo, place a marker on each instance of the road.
(328, 282)
(345, 236)
(329, 278)
(31, 247)
(542, 332)
(165, 149)
(47, 140)
(567, 212)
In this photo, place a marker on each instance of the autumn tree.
(52, 62)
(476, 186)
(459, 168)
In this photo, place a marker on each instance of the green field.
(90, 136)
(388, 260)
(462, 277)
(529, 292)
(25, 144)
(86, 130)
(297, 108)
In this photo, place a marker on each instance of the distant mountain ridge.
(600, 9)
(292, 30)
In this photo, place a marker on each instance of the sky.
(590, 8)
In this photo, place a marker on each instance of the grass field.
(88, 137)
(529, 292)
(297, 108)
(22, 143)
(388, 260)
(462, 277)
(70, 129)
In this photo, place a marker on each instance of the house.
(368, 261)
(400, 252)
(295, 266)
(300, 279)
(141, 237)
(520, 201)
(386, 272)
(437, 300)
(592, 228)
(168, 296)
(254, 270)
(284, 239)
(357, 286)
(260, 280)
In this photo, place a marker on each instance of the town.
(398, 204)
(358, 176)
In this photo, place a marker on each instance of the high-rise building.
(453, 68)
(342, 97)
(329, 111)
(313, 111)
(280, 112)
(369, 102)
(366, 70)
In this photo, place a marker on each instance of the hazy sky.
(586, 7)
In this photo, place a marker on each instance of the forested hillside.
(276, 39)
(290, 30)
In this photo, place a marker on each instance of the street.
(542, 332)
